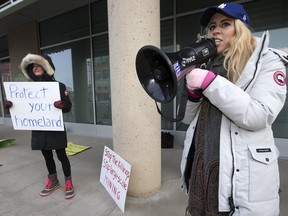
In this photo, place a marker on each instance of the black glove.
(59, 104)
(7, 104)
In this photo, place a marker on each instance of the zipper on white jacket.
(232, 206)
(230, 199)
(256, 68)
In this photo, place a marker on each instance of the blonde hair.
(241, 48)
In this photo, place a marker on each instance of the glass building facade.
(78, 43)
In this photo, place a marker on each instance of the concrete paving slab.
(23, 171)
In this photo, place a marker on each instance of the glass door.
(5, 75)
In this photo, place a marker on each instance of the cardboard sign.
(33, 105)
(115, 175)
(73, 149)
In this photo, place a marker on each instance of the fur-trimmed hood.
(44, 60)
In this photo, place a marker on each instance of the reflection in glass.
(1, 102)
(4, 47)
(166, 8)
(68, 26)
(167, 47)
(183, 6)
(102, 80)
(73, 68)
(186, 34)
(5, 75)
(99, 17)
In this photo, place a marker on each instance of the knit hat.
(233, 10)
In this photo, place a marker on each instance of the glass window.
(73, 68)
(1, 103)
(185, 6)
(267, 14)
(99, 16)
(65, 27)
(5, 70)
(5, 75)
(167, 46)
(166, 8)
(4, 47)
(102, 80)
(187, 28)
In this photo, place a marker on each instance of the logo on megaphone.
(159, 72)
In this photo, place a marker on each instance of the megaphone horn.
(159, 72)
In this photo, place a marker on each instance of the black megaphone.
(159, 72)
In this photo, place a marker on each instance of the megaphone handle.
(181, 110)
(184, 72)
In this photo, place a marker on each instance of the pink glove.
(194, 95)
(199, 79)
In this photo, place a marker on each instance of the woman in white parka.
(229, 164)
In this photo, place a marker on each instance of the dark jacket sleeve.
(65, 98)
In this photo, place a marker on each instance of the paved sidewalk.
(23, 171)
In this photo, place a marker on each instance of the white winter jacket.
(248, 169)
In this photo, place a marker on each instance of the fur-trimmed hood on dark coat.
(44, 61)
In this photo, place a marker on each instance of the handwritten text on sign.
(115, 175)
(33, 105)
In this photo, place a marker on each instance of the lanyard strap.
(181, 108)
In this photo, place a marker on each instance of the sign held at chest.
(33, 107)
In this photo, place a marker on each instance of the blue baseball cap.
(233, 10)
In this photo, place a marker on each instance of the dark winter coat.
(46, 140)
(49, 140)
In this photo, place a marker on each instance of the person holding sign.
(41, 68)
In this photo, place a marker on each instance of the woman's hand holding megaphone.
(199, 79)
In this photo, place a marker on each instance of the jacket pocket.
(263, 173)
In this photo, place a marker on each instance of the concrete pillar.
(136, 123)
